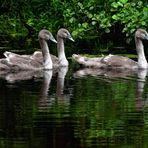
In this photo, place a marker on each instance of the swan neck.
(61, 52)
(142, 62)
(47, 62)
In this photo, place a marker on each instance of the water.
(69, 109)
(73, 109)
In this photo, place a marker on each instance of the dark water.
(68, 109)
(72, 110)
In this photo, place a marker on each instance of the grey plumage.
(115, 61)
(36, 60)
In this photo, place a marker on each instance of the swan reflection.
(140, 102)
(12, 77)
(60, 81)
(61, 96)
(44, 99)
(47, 100)
(107, 75)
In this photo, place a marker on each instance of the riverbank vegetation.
(87, 19)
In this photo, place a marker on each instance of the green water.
(69, 109)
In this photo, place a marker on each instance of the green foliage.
(132, 15)
(85, 19)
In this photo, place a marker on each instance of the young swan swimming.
(16, 62)
(115, 61)
(37, 56)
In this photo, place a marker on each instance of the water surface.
(69, 109)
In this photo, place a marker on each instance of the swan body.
(115, 61)
(25, 62)
(123, 62)
(37, 56)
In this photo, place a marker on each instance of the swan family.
(115, 61)
(39, 59)
(43, 60)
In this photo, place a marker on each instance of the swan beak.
(53, 39)
(70, 38)
(146, 38)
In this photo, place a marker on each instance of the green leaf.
(74, 33)
(89, 15)
(91, 8)
(71, 20)
(140, 3)
(80, 5)
(132, 30)
(85, 25)
(114, 4)
(115, 17)
(123, 1)
(93, 22)
(120, 4)
(107, 30)
(143, 23)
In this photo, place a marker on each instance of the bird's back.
(115, 61)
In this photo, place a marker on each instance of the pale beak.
(53, 39)
(70, 38)
(146, 38)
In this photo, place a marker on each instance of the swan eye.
(65, 34)
(146, 36)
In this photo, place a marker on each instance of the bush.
(85, 19)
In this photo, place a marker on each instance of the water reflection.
(106, 109)
(61, 97)
(115, 74)
(20, 75)
(140, 102)
(60, 80)
(123, 121)
(44, 100)
(111, 73)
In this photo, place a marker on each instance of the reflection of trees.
(30, 120)
(16, 113)
(105, 113)
(101, 112)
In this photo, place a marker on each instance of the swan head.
(46, 35)
(141, 34)
(64, 33)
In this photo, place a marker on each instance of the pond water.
(71, 107)
(74, 109)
